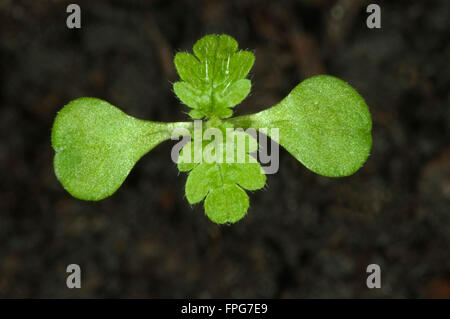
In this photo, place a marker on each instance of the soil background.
(305, 236)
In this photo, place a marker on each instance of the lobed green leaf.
(222, 183)
(227, 204)
(214, 79)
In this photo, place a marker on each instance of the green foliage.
(213, 79)
(97, 145)
(324, 123)
(222, 182)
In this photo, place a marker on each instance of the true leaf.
(227, 204)
(214, 79)
(222, 182)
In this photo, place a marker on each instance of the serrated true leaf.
(323, 122)
(227, 204)
(97, 145)
(214, 79)
(222, 182)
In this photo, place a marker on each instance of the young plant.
(323, 122)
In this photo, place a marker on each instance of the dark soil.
(305, 235)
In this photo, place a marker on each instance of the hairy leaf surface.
(222, 182)
(214, 79)
(97, 145)
(323, 122)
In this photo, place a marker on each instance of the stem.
(213, 121)
(173, 125)
(244, 121)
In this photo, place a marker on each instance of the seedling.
(323, 122)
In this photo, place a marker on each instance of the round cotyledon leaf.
(97, 145)
(323, 122)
